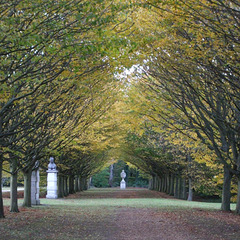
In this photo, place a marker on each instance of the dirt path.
(154, 224)
(74, 220)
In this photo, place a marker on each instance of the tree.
(189, 69)
(48, 48)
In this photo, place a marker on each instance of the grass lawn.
(136, 203)
(88, 201)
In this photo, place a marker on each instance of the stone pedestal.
(123, 184)
(52, 189)
(35, 187)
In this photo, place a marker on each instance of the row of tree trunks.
(66, 186)
(84, 184)
(70, 185)
(175, 185)
(171, 184)
(13, 187)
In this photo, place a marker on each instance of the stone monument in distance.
(123, 183)
(52, 191)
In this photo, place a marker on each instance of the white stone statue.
(52, 179)
(52, 165)
(123, 183)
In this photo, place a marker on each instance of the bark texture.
(60, 186)
(226, 193)
(111, 175)
(1, 199)
(65, 187)
(238, 198)
(190, 190)
(13, 191)
(27, 188)
(71, 184)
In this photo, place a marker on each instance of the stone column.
(52, 189)
(52, 184)
(35, 178)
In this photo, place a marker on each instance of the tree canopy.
(68, 89)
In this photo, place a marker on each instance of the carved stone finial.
(123, 174)
(123, 183)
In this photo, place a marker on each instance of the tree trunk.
(176, 187)
(151, 185)
(79, 183)
(184, 192)
(13, 185)
(60, 186)
(179, 188)
(89, 180)
(165, 183)
(76, 183)
(190, 190)
(226, 193)
(127, 174)
(238, 198)
(65, 186)
(155, 183)
(110, 181)
(27, 188)
(168, 184)
(172, 185)
(84, 184)
(71, 184)
(1, 199)
(159, 183)
(238, 191)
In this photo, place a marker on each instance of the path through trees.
(112, 214)
(68, 90)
